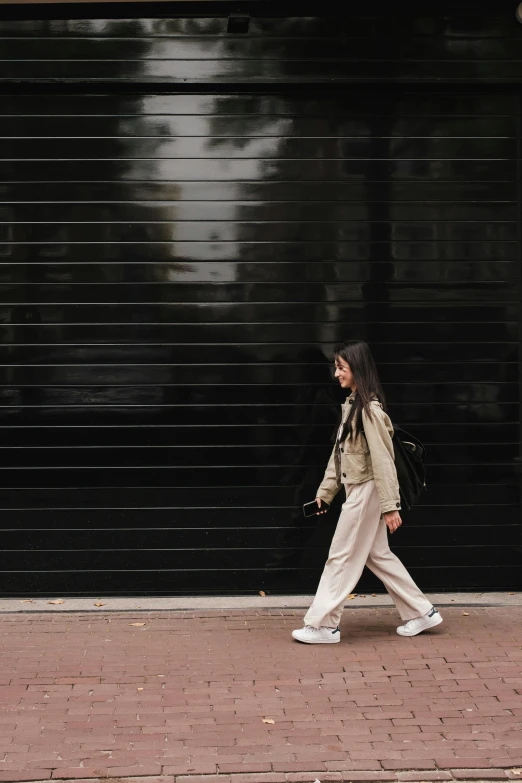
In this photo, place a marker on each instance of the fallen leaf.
(262, 592)
(363, 596)
(26, 601)
(465, 614)
(99, 603)
(517, 771)
(138, 625)
(140, 689)
(511, 593)
(267, 720)
(58, 601)
(374, 595)
(353, 595)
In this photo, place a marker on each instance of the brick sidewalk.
(88, 695)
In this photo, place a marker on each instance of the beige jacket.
(369, 456)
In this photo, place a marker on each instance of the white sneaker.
(311, 635)
(418, 624)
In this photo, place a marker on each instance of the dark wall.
(189, 221)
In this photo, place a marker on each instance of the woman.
(362, 460)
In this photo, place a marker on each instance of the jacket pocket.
(357, 446)
(355, 466)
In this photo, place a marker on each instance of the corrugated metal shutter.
(175, 268)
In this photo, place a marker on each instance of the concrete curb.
(188, 603)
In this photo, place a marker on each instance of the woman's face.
(344, 374)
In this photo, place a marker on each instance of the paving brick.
(363, 766)
(244, 767)
(144, 779)
(21, 775)
(298, 766)
(454, 763)
(369, 776)
(75, 772)
(375, 754)
(415, 776)
(479, 774)
(310, 777)
(189, 769)
(257, 777)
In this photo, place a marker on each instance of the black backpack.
(409, 463)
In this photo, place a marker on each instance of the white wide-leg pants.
(361, 538)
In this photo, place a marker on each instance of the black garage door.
(175, 267)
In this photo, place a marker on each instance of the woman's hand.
(319, 503)
(393, 520)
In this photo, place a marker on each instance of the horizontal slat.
(262, 121)
(230, 558)
(284, 542)
(441, 106)
(285, 47)
(256, 190)
(282, 374)
(410, 103)
(284, 526)
(238, 313)
(160, 475)
(189, 231)
(314, 340)
(186, 294)
(178, 357)
(461, 305)
(299, 210)
(172, 455)
(36, 493)
(168, 372)
(464, 24)
(255, 250)
(258, 69)
(231, 170)
(274, 231)
(277, 403)
(286, 147)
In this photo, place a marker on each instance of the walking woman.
(363, 461)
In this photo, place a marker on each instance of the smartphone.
(309, 509)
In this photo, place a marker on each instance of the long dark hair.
(357, 355)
